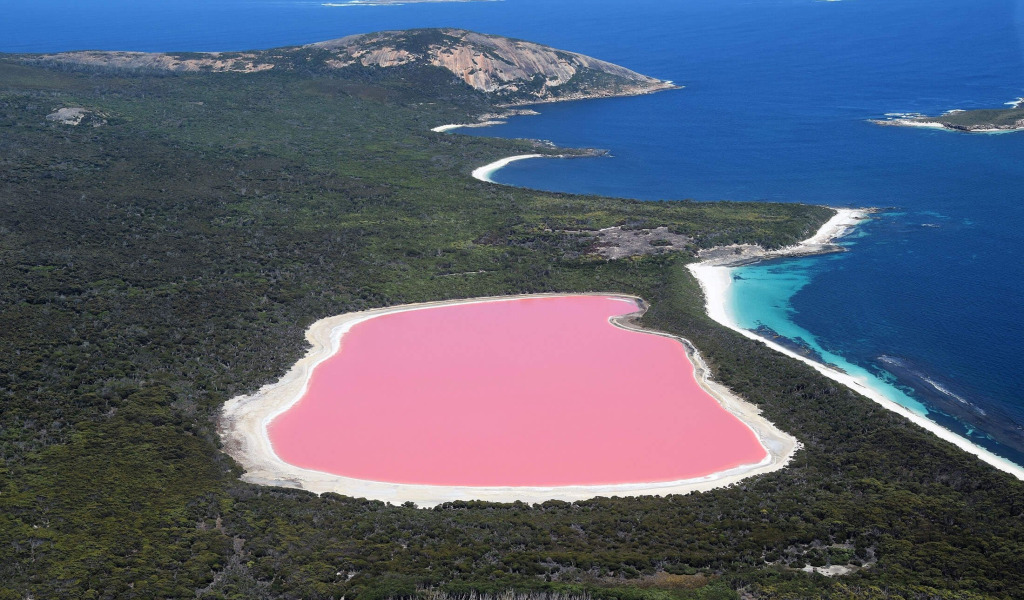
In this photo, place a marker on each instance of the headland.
(714, 273)
(998, 120)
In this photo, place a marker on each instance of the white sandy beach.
(244, 421)
(715, 277)
(484, 173)
(452, 126)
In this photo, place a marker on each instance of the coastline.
(516, 109)
(451, 126)
(244, 420)
(638, 90)
(487, 120)
(715, 277)
(913, 121)
(735, 255)
(484, 173)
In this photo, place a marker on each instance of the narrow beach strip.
(715, 277)
(484, 173)
(245, 419)
(452, 126)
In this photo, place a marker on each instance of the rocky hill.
(508, 70)
(505, 67)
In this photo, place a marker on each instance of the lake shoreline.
(244, 421)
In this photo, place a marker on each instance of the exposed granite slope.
(501, 66)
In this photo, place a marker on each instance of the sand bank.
(715, 277)
(484, 173)
(244, 422)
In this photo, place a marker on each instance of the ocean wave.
(921, 380)
(891, 360)
(944, 390)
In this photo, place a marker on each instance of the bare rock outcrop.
(520, 70)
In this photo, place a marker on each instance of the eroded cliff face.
(512, 71)
(494, 64)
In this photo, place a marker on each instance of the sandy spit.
(453, 126)
(244, 420)
(484, 173)
(715, 277)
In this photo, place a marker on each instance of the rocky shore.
(968, 121)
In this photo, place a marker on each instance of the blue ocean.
(928, 299)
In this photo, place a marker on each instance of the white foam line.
(484, 173)
(244, 421)
(716, 280)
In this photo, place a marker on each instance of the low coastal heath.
(715, 277)
(543, 438)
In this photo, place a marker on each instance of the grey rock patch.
(616, 242)
(74, 116)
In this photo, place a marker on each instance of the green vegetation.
(979, 120)
(998, 118)
(154, 266)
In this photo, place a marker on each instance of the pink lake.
(525, 392)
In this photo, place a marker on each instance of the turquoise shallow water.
(761, 302)
(777, 97)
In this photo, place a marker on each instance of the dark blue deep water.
(777, 95)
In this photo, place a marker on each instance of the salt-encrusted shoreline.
(715, 277)
(244, 420)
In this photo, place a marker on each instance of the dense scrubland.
(168, 253)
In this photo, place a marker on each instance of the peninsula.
(504, 71)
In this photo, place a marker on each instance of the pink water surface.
(525, 392)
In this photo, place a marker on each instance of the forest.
(168, 252)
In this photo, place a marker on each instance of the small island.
(997, 120)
